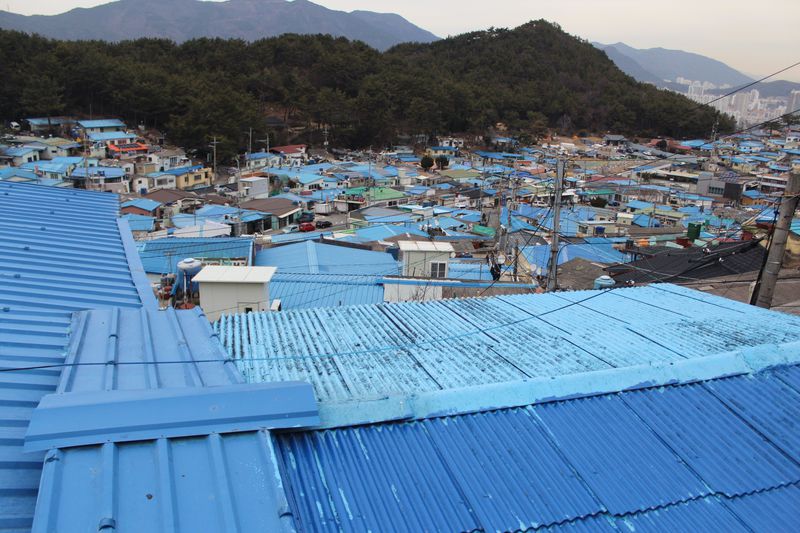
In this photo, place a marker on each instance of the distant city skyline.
(756, 41)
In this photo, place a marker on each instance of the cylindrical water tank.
(604, 282)
(190, 266)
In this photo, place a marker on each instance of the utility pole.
(213, 145)
(552, 266)
(768, 277)
(250, 141)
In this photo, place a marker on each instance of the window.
(438, 270)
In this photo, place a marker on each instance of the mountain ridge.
(183, 20)
(668, 64)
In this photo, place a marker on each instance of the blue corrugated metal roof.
(315, 258)
(111, 136)
(161, 256)
(140, 222)
(405, 348)
(306, 291)
(142, 203)
(478, 270)
(102, 123)
(538, 255)
(586, 464)
(61, 250)
(214, 480)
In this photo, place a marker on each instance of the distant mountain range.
(662, 67)
(181, 20)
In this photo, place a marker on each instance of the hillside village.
(345, 226)
(465, 333)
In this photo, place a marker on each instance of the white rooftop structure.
(235, 274)
(425, 246)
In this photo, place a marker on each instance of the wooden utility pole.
(552, 266)
(768, 277)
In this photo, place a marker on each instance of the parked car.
(306, 217)
(321, 224)
(307, 226)
(291, 228)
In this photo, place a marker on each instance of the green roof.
(376, 193)
(483, 230)
(460, 174)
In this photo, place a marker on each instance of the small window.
(248, 309)
(438, 270)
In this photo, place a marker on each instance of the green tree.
(426, 162)
(42, 95)
(442, 162)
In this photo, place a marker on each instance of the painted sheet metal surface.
(366, 352)
(212, 481)
(61, 250)
(631, 461)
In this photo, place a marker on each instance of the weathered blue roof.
(111, 136)
(169, 439)
(405, 348)
(18, 174)
(180, 171)
(307, 291)
(161, 256)
(477, 270)
(381, 232)
(101, 123)
(16, 151)
(538, 255)
(140, 222)
(95, 171)
(142, 203)
(315, 258)
(674, 458)
(61, 250)
(221, 214)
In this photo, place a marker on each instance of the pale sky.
(756, 38)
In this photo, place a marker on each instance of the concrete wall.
(217, 299)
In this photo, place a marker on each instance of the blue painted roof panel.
(766, 403)
(142, 203)
(102, 123)
(315, 258)
(417, 347)
(775, 510)
(214, 481)
(704, 514)
(618, 455)
(591, 464)
(306, 291)
(695, 426)
(61, 250)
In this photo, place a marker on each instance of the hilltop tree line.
(531, 78)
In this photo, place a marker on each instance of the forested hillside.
(529, 78)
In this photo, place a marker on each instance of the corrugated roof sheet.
(306, 291)
(580, 465)
(315, 258)
(61, 250)
(360, 352)
(215, 480)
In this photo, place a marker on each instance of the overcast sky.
(755, 37)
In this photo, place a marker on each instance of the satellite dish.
(501, 259)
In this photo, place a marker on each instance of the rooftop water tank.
(604, 282)
(190, 266)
